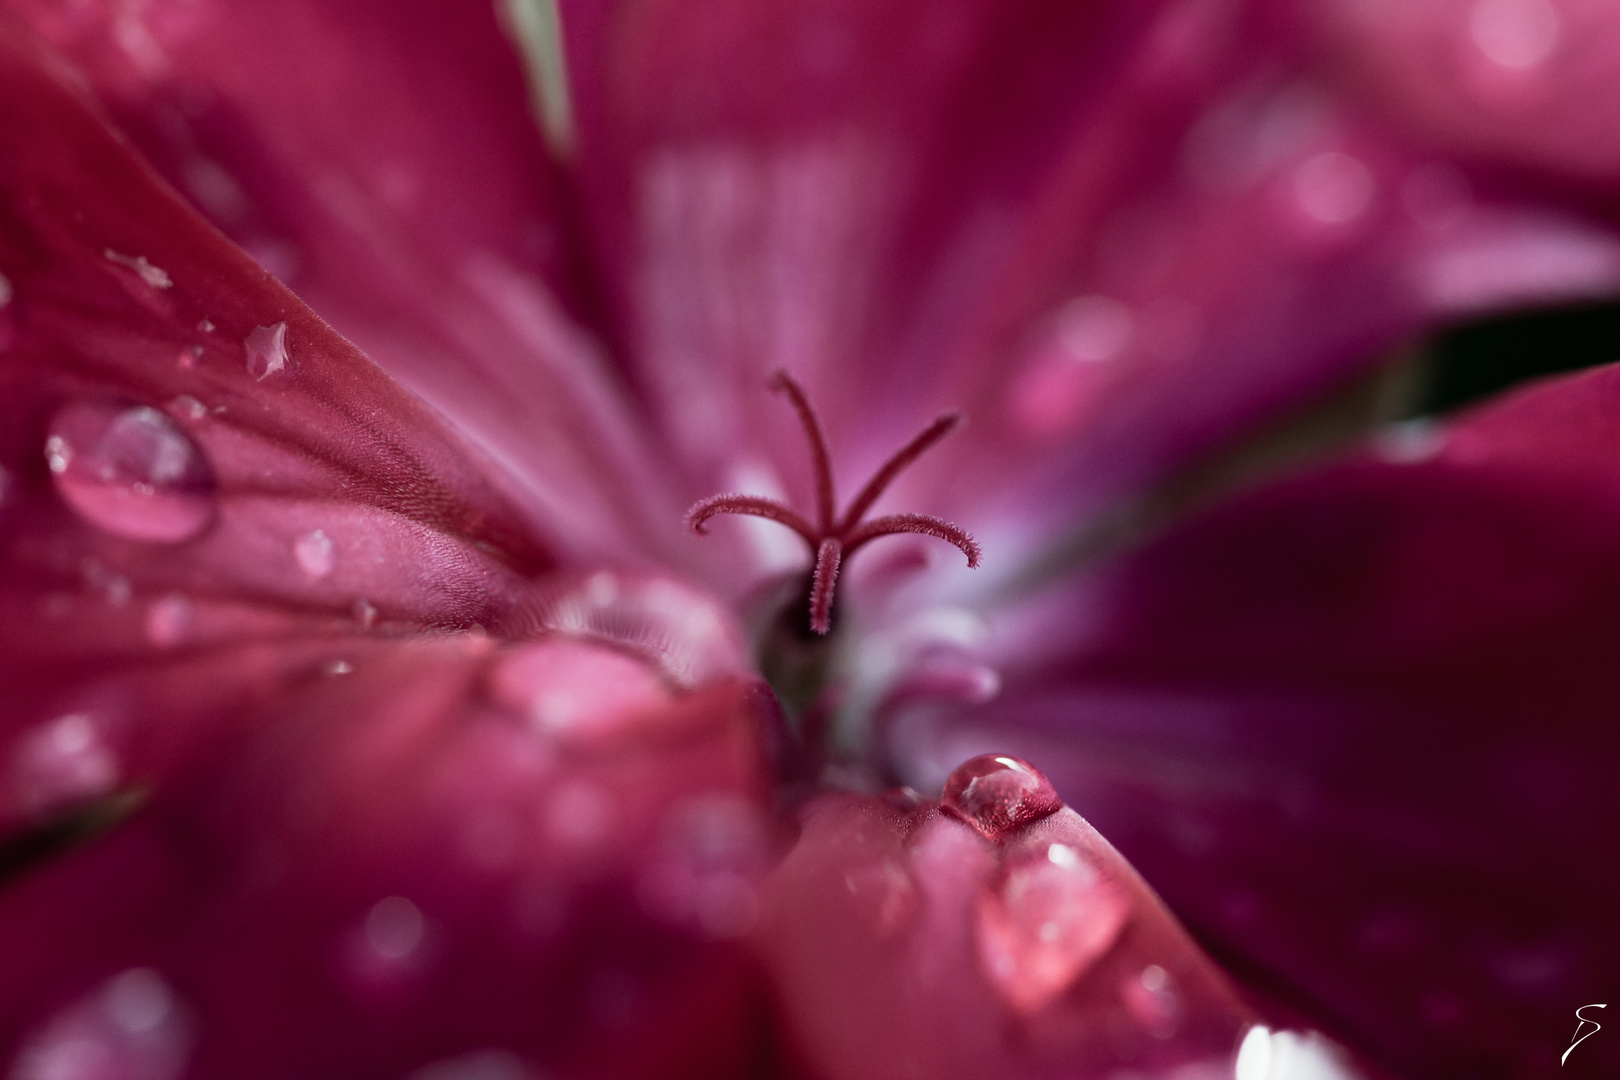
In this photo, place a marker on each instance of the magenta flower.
(351, 736)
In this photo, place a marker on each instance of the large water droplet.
(1042, 925)
(131, 1028)
(316, 554)
(266, 350)
(131, 471)
(62, 762)
(997, 793)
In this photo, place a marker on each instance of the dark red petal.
(905, 943)
(457, 847)
(1358, 728)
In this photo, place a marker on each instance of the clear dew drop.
(1265, 1054)
(364, 612)
(998, 794)
(1043, 923)
(266, 350)
(62, 762)
(132, 1027)
(130, 471)
(316, 554)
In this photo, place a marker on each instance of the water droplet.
(1333, 188)
(364, 612)
(188, 407)
(62, 762)
(316, 554)
(997, 793)
(187, 358)
(1043, 923)
(1514, 34)
(131, 1028)
(266, 350)
(131, 471)
(206, 326)
(168, 620)
(338, 667)
(395, 928)
(152, 275)
(114, 587)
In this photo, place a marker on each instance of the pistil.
(833, 539)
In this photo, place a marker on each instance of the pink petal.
(384, 164)
(169, 520)
(904, 943)
(1358, 728)
(1516, 81)
(402, 865)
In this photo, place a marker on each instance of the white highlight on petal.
(1287, 1055)
(1515, 34)
(1333, 187)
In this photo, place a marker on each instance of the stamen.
(826, 504)
(895, 466)
(832, 538)
(926, 524)
(825, 580)
(754, 506)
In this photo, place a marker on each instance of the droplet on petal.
(316, 554)
(1044, 923)
(266, 350)
(364, 612)
(154, 276)
(168, 620)
(998, 793)
(62, 762)
(188, 407)
(131, 1028)
(131, 471)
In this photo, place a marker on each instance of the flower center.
(833, 538)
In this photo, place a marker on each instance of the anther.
(831, 538)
